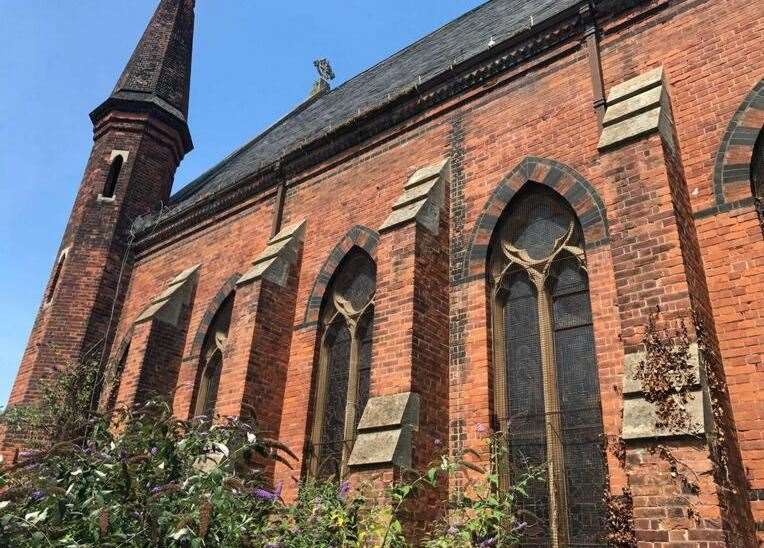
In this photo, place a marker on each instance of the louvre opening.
(56, 278)
(111, 179)
(547, 391)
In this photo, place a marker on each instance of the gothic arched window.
(342, 389)
(212, 359)
(112, 379)
(111, 179)
(56, 277)
(757, 176)
(546, 387)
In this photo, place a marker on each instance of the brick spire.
(158, 75)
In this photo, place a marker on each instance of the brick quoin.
(668, 218)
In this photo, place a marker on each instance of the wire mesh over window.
(342, 391)
(757, 167)
(527, 435)
(212, 359)
(577, 386)
(365, 331)
(547, 393)
(757, 177)
(338, 341)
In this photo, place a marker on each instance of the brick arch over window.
(228, 287)
(358, 236)
(732, 171)
(564, 180)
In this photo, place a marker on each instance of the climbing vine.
(620, 519)
(668, 375)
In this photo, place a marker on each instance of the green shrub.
(142, 477)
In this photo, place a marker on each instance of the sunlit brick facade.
(334, 278)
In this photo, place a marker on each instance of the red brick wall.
(711, 54)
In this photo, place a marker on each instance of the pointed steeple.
(158, 74)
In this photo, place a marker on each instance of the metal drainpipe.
(278, 214)
(591, 35)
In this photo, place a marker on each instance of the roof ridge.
(426, 59)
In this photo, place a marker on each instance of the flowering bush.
(142, 477)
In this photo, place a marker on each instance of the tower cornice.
(157, 78)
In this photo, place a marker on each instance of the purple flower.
(153, 450)
(519, 527)
(480, 428)
(437, 442)
(488, 543)
(156, 489)
(264, 494)
(27, 454)
(37, 495)
(453, 530)
(344, 489)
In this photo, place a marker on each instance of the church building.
(543, 219)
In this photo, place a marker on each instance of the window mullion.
(320, 406)
(352, 396)
(558, 510)
(500, 381)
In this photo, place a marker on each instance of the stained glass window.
(342, 391)
(547, 393)
(212, 359)
(757, 176)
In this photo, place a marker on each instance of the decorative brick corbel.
(637, 108)
(158, 335)
(168, 305)
(403, 422)
(281, 253)
(422, 199)
(257, 354)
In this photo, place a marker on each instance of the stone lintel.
(421, 200)
(385, 431)
(280, 253)
(167, 306)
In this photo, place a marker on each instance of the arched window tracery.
(212, 354)
(546, 387)
(344, 365)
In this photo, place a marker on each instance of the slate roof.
(160, 65)
(426, 58)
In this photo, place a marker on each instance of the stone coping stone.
(635, 85)
(390, 412)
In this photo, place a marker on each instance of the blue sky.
(252, 63)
